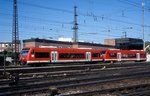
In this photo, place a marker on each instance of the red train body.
(57, 55)
(60, 55)
(124, 55)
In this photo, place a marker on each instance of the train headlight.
(32, 55)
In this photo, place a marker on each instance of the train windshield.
(24, 51)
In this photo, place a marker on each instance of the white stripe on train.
(48, 61)
(125, 59)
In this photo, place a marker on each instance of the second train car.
(124, 55)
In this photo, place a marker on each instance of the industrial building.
(125, 43)
(36, 42)
(6, 45)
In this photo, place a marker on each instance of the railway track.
(68, 67)
(78, 79)
(135, 90)
(34, 71)
(13, 66)
(34, 77)
(66, 84)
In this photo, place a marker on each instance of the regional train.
(64, 55)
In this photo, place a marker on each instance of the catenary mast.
(143, 24)
(75, 28)
(15, 33)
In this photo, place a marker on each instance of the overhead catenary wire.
(52, 21)
(79, 13)
(99, 18)
(138, 5)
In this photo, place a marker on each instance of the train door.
(54, 56)
(138, 56)
(88, 56)
(119, 56)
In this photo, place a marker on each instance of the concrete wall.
(93, 47)
(58, 44)
(110, 42)
(37, 44)
(29, 44)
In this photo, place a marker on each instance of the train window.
(26, 49)
(41, 55)
(71, 55)
(95, 54)
(61, 55)
(24, 52)
(124, 56)
(142, 55)
(132, 55)
(112, 54)
(103, 52)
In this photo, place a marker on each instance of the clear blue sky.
(97, 19)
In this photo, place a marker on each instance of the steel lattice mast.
(15, 33)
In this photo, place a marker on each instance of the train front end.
(24, 56)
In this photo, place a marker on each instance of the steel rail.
(74, 74)
(114, 91)
(68, 67)
(72, 83)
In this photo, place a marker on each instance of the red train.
(60, 55)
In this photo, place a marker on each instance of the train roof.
(59, 48)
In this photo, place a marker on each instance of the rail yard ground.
(128, 79)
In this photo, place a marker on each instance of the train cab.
(23, 55)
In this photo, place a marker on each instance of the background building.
(8, 46)
(125, 43)
(5, 45)
(63, 44)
